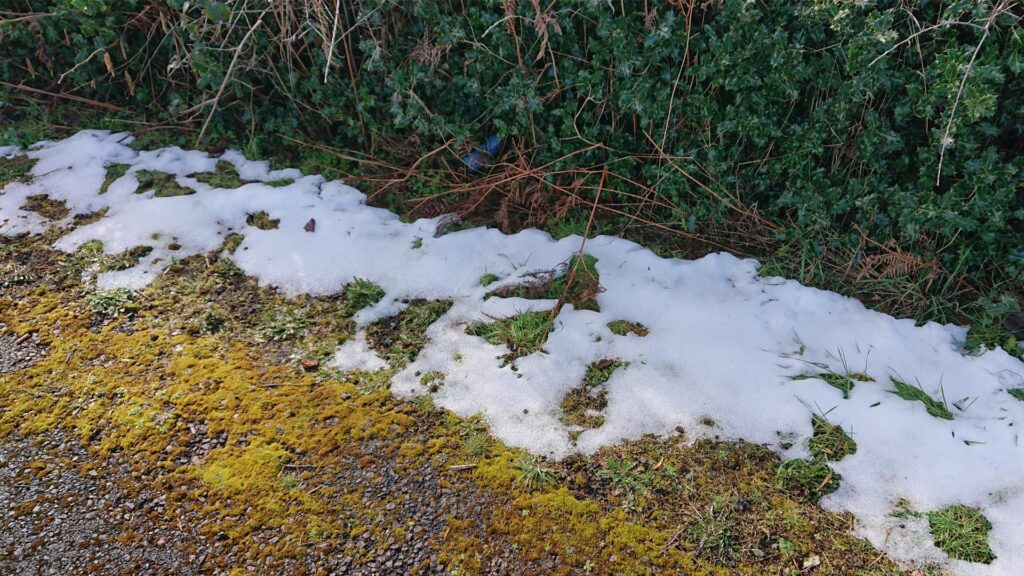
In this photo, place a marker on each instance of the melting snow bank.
(723, 343)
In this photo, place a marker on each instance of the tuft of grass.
(533, 473)
(478, 444)
(962, 533)
(808, 479)
(432, 381)
(46, 207)
(488, 279)
(1017, 393)
(125, 260)
(283, 323)
(15, 169)
(523, 334)
(417, 243)
(232, 242)
(262, 220)
(114, 173)
(361, 293)
(224, 176)
(934, 407)
(844, 382)
(163, 184)
(830, 442)
(623, 327)
(711, 532)
(626, 478)
(398, 339)
(113, 303)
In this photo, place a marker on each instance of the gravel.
(19, 352)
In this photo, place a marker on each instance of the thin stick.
(96, 103)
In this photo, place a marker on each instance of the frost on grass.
(721, 343)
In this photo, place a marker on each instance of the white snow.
(724, 343)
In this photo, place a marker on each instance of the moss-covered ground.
(214, 392)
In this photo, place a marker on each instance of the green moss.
(962, 533)
(623, 327)
(114, 173)
(225, 175)
(523, 334)
(162, 184)
(830, 442)
(46, 207)
(15, 169)
(262, 220)
(917, 394)
(488, 279)
(232, 242)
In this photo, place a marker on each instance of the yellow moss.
(236, 471)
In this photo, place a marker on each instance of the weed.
(478, 444)
(226, 268)
(399, 338)
(224, 176)
(283, 323)
(809, 479)
(710, 531)
(163, 184)
(417, 243)
(962, 533)
(114, 173)
(113, 303)
(523, 334)
(626, 478)
(916, 393)
(533, 473)
(488, 279)
(830, 442)
(211, 322)
(361, 293)
(623, 327)
(125, 260)
(262, 220)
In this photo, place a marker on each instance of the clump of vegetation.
(989, 326)
(232, 242)
(399, 338)
(262, 220)
(830, 442)
(555, 284)
(842, 380)
(534, 474)
(284, 323)
(361, 293)
(808, 479)
(280, 182)
(627, 478)
(962, 533)
(125, 260)
(478, 444)
(623, 327)
(225, 175)
(114, 173)
(710, 531)
(162, 184)
(432, 381)
(583, 404)
(46, 207)
(113, 303)
(1017, 393)
(15, 169)
(523, 334)
(488, 279)
(934, 407)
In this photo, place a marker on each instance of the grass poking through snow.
(809, 479)
(583, 404)
(162, 184)
(830, 442)
(962, 533)
(623, 327)
(361, 293)
(934, 407)
(552, 284)
(522, 334)
(225, 176)
(398, 339)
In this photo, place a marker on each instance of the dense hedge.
(828, 115)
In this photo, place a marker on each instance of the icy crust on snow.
(724, 343)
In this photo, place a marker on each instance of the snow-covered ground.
(724, 343)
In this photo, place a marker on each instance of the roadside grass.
(935, 407)
(523, 334)
(398, 339)
(624, 327)
(962, 533)
(162, 184)
(555, 284)
(830, 441)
